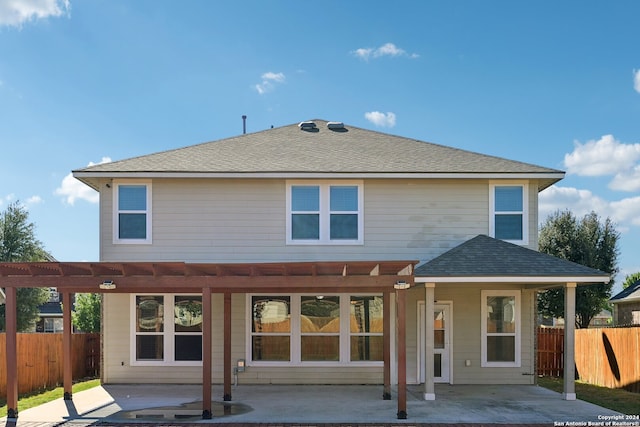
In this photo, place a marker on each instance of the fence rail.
(608, 357)
(40, 360)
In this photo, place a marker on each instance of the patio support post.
(227, 347)
(429, 306)
(386, 344)
(206, 353)
(569, 388)
(401, 303)
(67, 346)
(11, 326)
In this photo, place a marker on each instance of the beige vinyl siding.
(466, 335)
(118, 341)
(218, 220)
(533, 216)
(244, 220)
(312, 375)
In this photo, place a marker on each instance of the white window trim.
(116, 237)
(168, 335)
(295, 334)
(525, 209)
(325, 212)
(483, 322)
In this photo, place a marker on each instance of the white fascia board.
(630, 298)
(515, 279)
(318, 175)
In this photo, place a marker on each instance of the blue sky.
(546, 82)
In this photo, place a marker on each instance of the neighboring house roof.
(484, 258)
(629, 294)
(345, 152)
(50, 309)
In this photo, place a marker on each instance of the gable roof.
(487, 259)
(630, 293)
(290, 152)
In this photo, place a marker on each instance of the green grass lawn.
(617, 400)
(36, 399)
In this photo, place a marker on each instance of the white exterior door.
(441, 342)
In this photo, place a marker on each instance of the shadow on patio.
(308, 404)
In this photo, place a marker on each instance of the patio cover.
(485, 260)
(206, 278)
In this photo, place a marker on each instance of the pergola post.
(569, 387)
(401, 303)
(386, 344)
(206, 353)
(429, 305)
(227, 347)
(67, 346)
(11, 325)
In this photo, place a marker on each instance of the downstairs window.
(167, 329)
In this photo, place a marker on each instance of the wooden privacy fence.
(40, 360)
(608, 357)
(550, 352)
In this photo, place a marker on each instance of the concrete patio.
(163, 404)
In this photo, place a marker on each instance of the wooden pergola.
(206, 278)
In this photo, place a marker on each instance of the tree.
(86, 316)
(631, 279)
(588, 242)
(18, 243)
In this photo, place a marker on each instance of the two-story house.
(321, 253)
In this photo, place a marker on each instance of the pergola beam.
(130, 284)
(179, 277)
(184, 277)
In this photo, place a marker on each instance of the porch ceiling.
(130, 277)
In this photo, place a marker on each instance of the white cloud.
(387, 49)
(363, 53)
(72, 189)
(381, 119)
(628, 180)
(269, 81)
(580, 202)
(625, 212)
(17, 12)
(636, 80)
(33, 200)
(606, 156)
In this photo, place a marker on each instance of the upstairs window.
(132, 213)
(324, 213)
(508, 218)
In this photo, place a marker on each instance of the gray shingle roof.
(631, 292)
(488, 257)
(289, 149)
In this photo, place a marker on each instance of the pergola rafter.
(206, 278)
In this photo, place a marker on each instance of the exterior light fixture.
(107, 285)
(401, 284)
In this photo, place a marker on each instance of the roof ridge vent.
(308, 126)
(337, 127)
